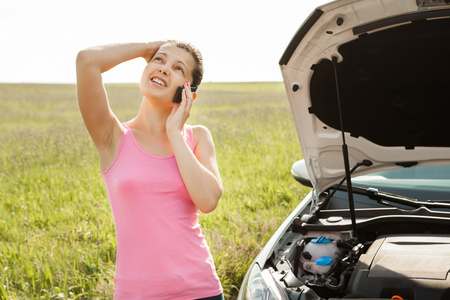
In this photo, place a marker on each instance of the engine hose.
(331, 280)
(298, 251)
(345, 244)
(343, 279)
(336, 262)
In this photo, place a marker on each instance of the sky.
(240, 40)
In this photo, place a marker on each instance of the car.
(368, 83)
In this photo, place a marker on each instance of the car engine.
(328, 265)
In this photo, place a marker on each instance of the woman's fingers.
(188, 96)
(181, 111)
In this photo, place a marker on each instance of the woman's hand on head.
(180, 111)
(152, 49)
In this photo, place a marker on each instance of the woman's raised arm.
(101, 123)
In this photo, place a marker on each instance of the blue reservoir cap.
(321, 240)
(324, 261)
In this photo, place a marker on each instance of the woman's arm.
(199, 169)
(101, 123)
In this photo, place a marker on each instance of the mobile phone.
(177, 97)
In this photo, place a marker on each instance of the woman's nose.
(163, 70)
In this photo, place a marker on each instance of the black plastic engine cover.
(411, 266)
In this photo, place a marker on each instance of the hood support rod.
(345, 153)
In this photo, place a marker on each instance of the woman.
(158, 172)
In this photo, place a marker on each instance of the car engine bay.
(400, 263)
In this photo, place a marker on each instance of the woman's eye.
(179, 69)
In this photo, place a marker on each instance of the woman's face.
(169, 68)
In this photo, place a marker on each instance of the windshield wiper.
(386, 198)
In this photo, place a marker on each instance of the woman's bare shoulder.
(200, 131)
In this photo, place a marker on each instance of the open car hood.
(389, 60)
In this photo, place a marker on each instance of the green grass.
(56, 229)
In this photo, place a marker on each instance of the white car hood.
(393, 75)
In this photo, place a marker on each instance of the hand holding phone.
(177, 97)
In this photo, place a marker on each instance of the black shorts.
(218, 297)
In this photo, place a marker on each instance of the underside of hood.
(387, 64)
(394, 85)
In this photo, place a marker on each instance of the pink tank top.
(161, 251)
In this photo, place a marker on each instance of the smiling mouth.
(159, 81)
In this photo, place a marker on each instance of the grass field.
(56, 229)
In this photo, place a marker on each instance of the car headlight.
(261, 286)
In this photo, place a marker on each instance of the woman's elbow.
(81, 57)
(207, 209)
(211, 205)
(84, 58)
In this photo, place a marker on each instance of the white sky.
(241, 40)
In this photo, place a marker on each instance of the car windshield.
(421, 183)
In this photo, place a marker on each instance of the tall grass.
(56, 229)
